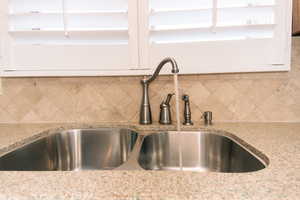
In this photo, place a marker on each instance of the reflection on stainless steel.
(201, 151)
(73, 150)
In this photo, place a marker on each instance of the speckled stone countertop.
(279, 181)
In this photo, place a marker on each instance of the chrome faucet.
(145, 112)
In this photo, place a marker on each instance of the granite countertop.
(279, 181)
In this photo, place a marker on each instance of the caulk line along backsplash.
(250, 97)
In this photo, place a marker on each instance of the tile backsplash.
(264, 97)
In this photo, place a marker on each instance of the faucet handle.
(169, 97)
(165, 111)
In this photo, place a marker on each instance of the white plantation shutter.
(207, 36)
(62, 35)
(127, 37)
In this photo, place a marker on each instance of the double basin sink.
(125, 149)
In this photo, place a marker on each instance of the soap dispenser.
(165, 111)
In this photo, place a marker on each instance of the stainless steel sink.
(72, 150)
(200, 151)
(124, 149)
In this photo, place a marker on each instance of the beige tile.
(226, 93)
(242, 109)
(196, 90)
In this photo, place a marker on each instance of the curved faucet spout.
(172, 61)
(145, 111)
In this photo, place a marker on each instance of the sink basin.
(86, 149)
(200, 151)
